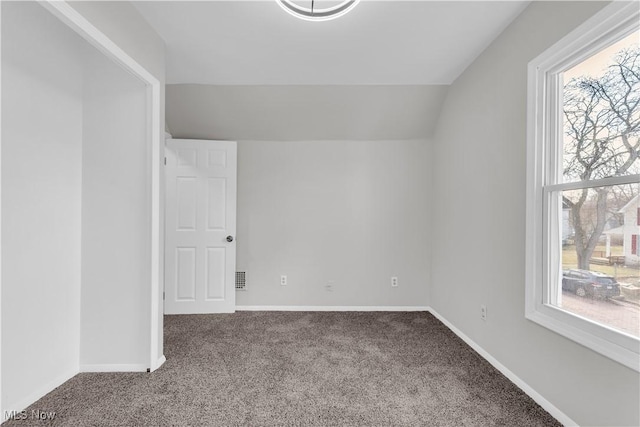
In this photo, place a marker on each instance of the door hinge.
(165, 161)
(163, 295)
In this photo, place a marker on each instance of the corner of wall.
(478, 228)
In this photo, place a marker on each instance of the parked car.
(585, 282)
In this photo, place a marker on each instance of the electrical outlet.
(283, 280)
(483, 312)
(394, 282)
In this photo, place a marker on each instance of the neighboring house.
(567, 229)
(631, 231)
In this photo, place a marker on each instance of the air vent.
(241, 281)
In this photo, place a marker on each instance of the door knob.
(229, 238)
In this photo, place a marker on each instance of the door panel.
(200, 214)
(216, 212)
(186, 196)
(186, 274)
(216, 272)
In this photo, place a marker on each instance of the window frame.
(544, 185)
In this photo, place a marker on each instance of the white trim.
(604, 182)
(612, 23)
(603, 28)
(72, 18)
(586, 332)
(114, 367)
(78, 23)
(329, 308)
(1, 407)
(38, 394)
(157, 252)
(158, 363)
(521, 384)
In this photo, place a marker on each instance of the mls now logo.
(15, 415)
(35, 414)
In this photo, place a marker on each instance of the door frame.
(155, 149)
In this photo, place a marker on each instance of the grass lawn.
(621, 273)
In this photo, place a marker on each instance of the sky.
(596, 65)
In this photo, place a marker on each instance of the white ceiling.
(378, 43)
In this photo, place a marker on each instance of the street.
(620, 315)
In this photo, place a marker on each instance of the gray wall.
(303, 113)
(479, 213)
(333, 186)
(42, 83)
(115, 309)
(352, 212)
(123, 24)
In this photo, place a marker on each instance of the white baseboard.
(158, 363)
(329, 308)
(33, 397)
(537, 397)
(114, 368)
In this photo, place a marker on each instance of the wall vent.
(241, 281)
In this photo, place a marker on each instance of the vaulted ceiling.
(255, 43)
(379, 42)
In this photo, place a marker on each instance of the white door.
(200, 257)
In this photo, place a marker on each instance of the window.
(583, 185)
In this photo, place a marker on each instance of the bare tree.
(602, 139)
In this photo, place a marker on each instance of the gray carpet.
(355, 369)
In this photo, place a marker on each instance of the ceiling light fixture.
(295, 8)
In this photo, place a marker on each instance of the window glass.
(600, 271)
(601, 113)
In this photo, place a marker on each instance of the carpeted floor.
(285, 368)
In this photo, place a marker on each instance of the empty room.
(320, 212)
